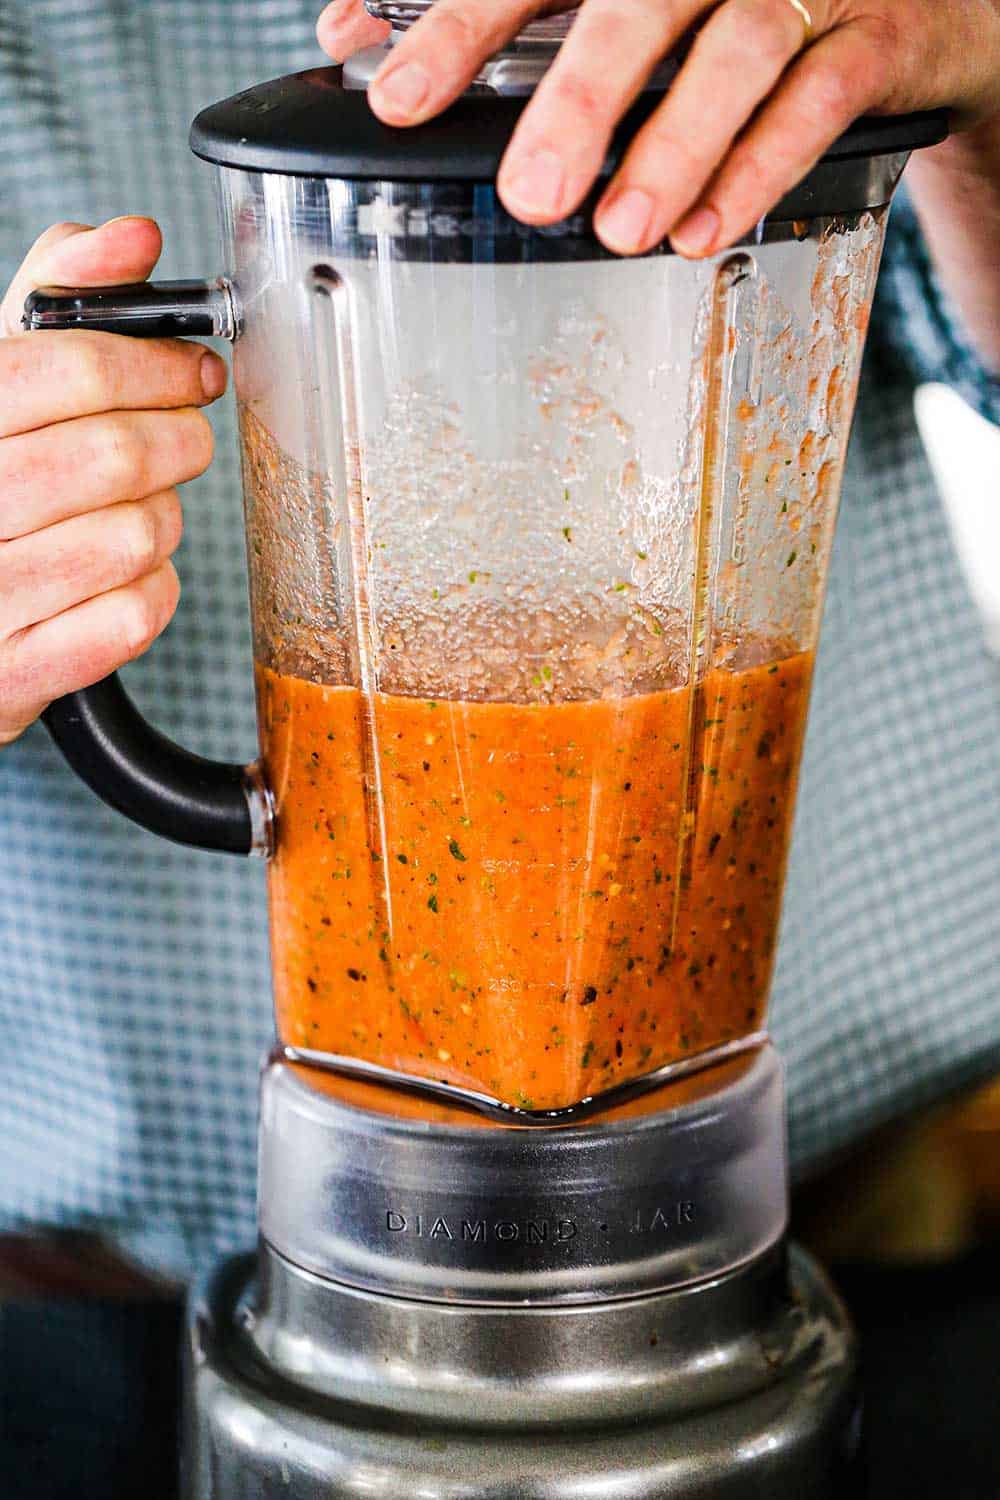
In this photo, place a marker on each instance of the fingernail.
(213, 375)
(624, 224)
(404, 89)
(535, 183)
(697, 233)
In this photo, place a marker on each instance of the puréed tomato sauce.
(535, 901)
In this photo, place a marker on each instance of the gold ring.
(807, 20)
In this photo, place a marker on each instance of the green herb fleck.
(791, 558)
(432, 901)
(454, 850)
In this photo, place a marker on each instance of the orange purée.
(521, 919)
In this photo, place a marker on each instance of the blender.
(537, 540)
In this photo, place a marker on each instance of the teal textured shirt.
(134, 990)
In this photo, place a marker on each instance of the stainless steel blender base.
(457, 1312)
(251, 1432)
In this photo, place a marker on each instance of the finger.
(74, 467)
(441, 54)
(735, 62)
(52, 377)
(837, 80)
(52, 570)
(562, 137)
(123, 250)
(81, 646)
(13, 303)
(345, 27)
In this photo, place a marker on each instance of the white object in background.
(964, 453)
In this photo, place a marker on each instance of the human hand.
(758, 100)
(95, 432)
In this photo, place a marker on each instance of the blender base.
(251, 1431)
(452, 1311)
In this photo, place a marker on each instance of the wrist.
(973, 150)
(955, 188)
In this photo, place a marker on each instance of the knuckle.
(881, 31)
(139, 622)
(138, 540)
(457, 29)
(121, 454)
(581, 97)
(93, 369)
(27, 471)
(888, 49)
(654, 24)
(775, 27)
(831, 94)
(201, 440)
(49, 240)
(171, 522)
(754, 172)
(689, 157)
(676, 157)
(30, 361)
(60, 229)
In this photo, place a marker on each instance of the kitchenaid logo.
(406, 221)
(474, 1231)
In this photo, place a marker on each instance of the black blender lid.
(309, 125)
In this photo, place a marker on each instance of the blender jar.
(537, 542)
(536, 581)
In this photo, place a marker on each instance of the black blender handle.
(132, 766)
(144, 775)
(144, 309)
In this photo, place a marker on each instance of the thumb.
(122, 250)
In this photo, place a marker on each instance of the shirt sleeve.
(916, 331)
